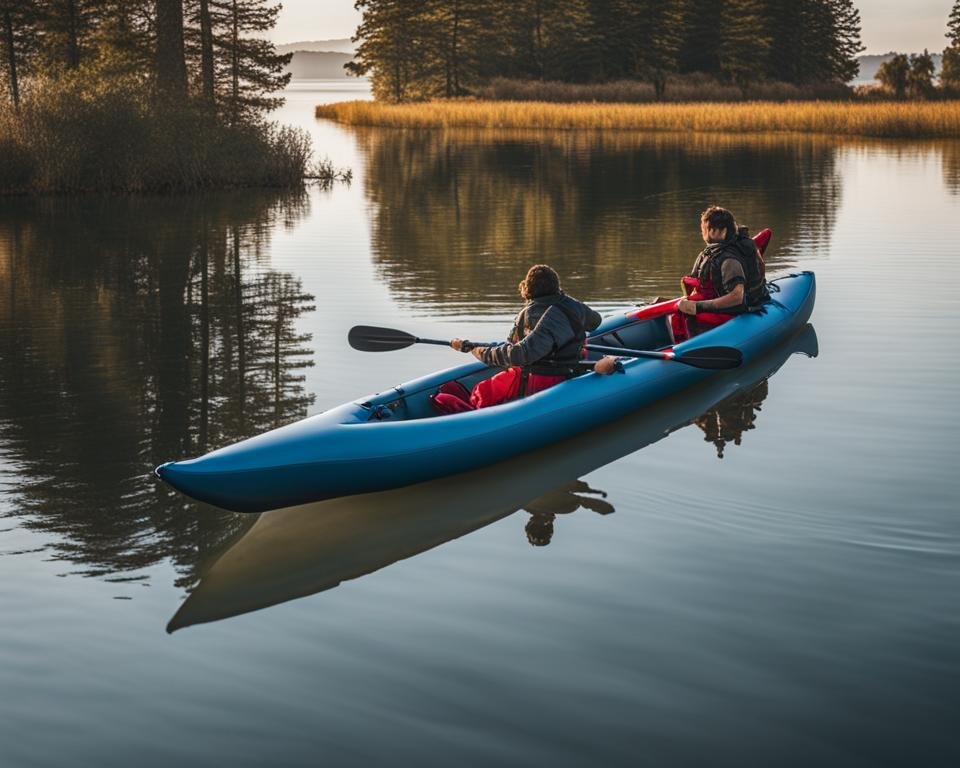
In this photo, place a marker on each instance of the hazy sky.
(902, 25)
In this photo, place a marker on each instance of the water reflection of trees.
(951, 166)
(459, 215)
(134, 331)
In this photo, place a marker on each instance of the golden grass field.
(927, 119)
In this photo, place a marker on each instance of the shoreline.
(901, 120)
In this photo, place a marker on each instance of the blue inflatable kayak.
(290, 553)
(394, 438)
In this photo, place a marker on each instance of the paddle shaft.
(438, 342)
(714, 358)
(652, 354)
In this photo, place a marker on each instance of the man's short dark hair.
(541, 280)
(719, 218)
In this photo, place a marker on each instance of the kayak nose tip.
(159, 471)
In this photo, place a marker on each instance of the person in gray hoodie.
(544, 347)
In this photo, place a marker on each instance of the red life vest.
(696, 291)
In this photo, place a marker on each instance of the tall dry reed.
(885, 120)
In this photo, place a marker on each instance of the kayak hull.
(349, 450)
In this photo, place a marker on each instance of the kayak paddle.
(368, 338)
(713, 358)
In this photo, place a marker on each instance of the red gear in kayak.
(696, 291)
(454, 398)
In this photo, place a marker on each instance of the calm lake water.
(768, 580)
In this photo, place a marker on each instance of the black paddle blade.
(714, 358)
(369, 338)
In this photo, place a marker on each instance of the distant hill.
(318, 65)
(340, 45)
(870, 64)
(319, 59)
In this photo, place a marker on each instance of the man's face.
(712, 235)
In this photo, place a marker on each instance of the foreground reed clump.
(76, 136)
(885, 120)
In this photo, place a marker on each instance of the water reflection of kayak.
(295, 552)
(388, 440)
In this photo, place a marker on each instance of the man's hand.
(478, 352)
(605, 365)
(687, 307)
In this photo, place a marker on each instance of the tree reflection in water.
(134, 331)
(616, 213)
(951, 166)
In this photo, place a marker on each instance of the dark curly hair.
(541, 280)
(719, 218)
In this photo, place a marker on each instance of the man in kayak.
(727, 279)
(543, 348)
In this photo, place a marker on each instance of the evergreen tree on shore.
(953, 25)
(249, 68)
(171, 66)
(950, 66)
(744, 45)
(387, 47)
(847, 45)
(557, 38)
(19, 41)
(699, 49)
(424, 48)
(458, 36)
(658, 43)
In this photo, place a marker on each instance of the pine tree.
(950, 71)
(806, 38)
(66, 25)
(388, 48)
(19, 41)
(200, 50)
(612, 37)
(953, 25)
(846, 41)
(171, 67)
(658, 44)
(558, 38)
(457, 35)
(121, 35)
(699, 47)
(247, 68)
(744, 46)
